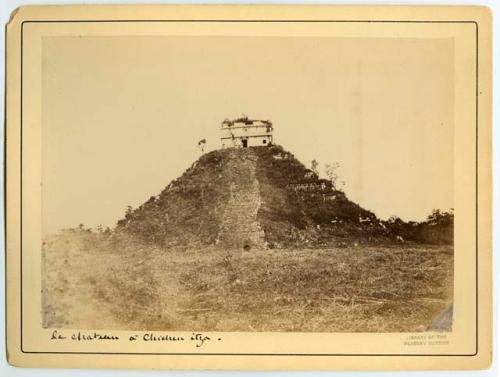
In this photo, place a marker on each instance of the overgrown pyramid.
(249, 198)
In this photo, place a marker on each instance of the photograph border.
(257, 21)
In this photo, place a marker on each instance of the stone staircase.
(240, 228)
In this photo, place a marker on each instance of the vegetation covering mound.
(301, 208)
(188, 211)
(292, 205)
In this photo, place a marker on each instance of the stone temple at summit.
(244, 132)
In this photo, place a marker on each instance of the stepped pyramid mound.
(257, 197)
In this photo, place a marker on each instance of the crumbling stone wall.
(240, 228)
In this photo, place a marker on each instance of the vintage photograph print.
(249, 187)
(248, 183)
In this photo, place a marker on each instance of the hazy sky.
(122, 116)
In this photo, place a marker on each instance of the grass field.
(90, 281)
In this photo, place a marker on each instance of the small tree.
(331, 171)
(201, 145)
(438, 228)
(128, 212)
(440, 218)
(314, 166)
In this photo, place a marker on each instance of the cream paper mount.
(249, 187)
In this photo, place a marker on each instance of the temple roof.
(245, 120)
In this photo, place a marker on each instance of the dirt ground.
(90, 282)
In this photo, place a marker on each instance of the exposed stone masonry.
(239, 227)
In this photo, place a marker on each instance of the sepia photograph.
(251, 187)
(248, 184)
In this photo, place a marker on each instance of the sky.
(121, 116)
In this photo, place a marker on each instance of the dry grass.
(89, 282)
